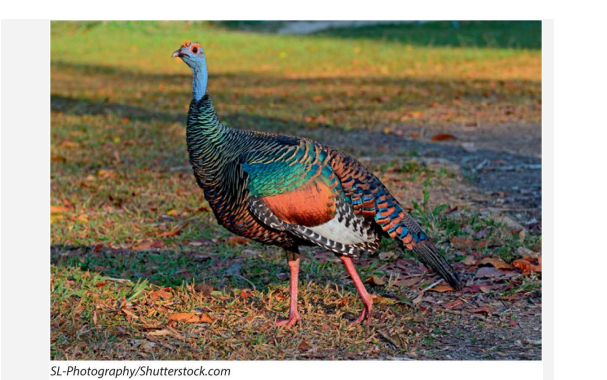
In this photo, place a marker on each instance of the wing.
(295, 189)
(370, 198)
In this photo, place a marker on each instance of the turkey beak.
(177, 53)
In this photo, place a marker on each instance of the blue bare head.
(191, 53)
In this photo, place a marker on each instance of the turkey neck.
(208, 141)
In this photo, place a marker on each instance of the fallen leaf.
(443, 137)
(69, 144)
(480, 310)
(386, 255)
(130, 313)
(385, 300)
(172, 212)
(174, 232)
(82, 219)
(106, 173)
(237, 240)
(58, 209)
(101, 284)
(488, 272)
(205, 289)
(526, 267)
(409, 281)
(393, 339)
(508, 222)
(246, 293)
(58, 159)
(495, 262)
(469, 260)
(205, 318)
(147, 244)
(453, 304)
(303, 346)
(465, 243)
(160, 332)
(162, 293)
(526, 252)
(375, 280)
(191, 318)
(441, 289)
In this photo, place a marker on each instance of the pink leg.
(364, 296)
(294, 316)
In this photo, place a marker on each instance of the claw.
(294, 318)
(366, 313)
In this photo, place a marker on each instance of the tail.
(428, 254)
(410, 234)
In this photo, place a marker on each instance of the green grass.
(483, 34)
(130, 220)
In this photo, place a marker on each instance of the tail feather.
(428, 254)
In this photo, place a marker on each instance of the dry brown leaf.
(191, 318)
(386, 255)
(393, 339)
(469, 260)
(160, 332)
(148, 244)
(453, 304)
(480, 310)
(106, 173)
(384, 300)
(376, 280)
(441, 289)
(69, 144)
(443, 137)
(409, 281)
(185, 317)
(488, 272)
(205, 289)
(162, 293)
(303, 346)
(523, 265)
(237, 240)
(130, 313)
(246, 293)
(58, 209)
(495, 262)
(174, 232)
(58, 159)
(465, 243)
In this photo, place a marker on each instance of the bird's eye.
(195, 50)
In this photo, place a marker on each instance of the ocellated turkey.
(291, 192)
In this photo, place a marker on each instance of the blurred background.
(446, 113)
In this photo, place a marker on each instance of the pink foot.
(364, 295)
(366, 314)
(294, 318)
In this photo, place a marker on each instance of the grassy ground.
(135, 249)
